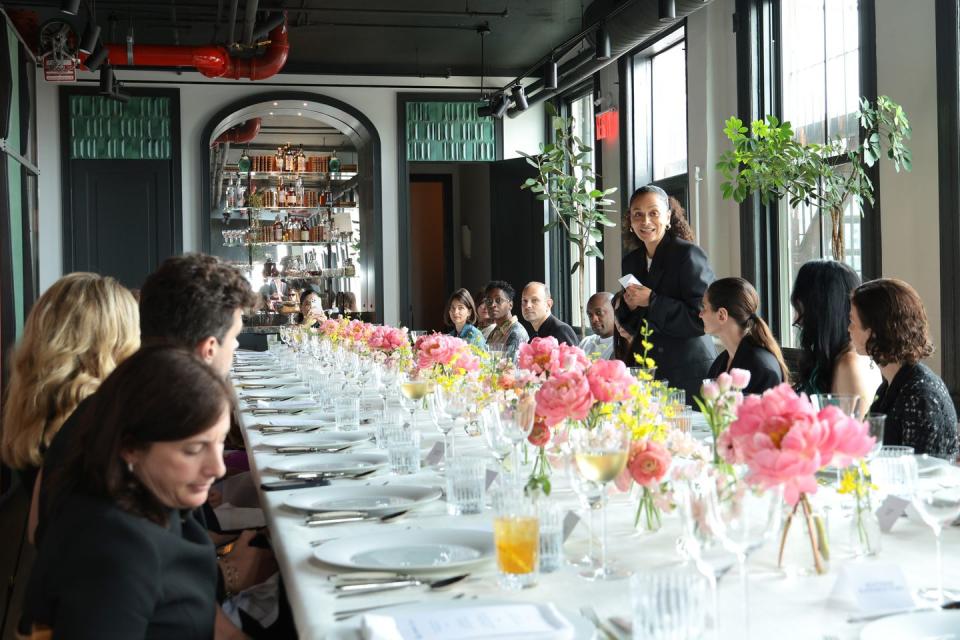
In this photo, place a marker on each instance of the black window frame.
(759, 93)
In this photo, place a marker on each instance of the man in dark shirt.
(536, 303)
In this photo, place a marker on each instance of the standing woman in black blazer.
(730, 313)
(123, 557)
(674, 274)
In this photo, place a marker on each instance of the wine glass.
(848, 404)
(517, 413)
(600, 454)
(876, 423)
(454, 399)
(937, 501)
(443, 423)
(589, 494)
(412, 392)
(743, 518)
(497, 441)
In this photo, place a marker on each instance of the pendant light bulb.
(667, 10)
(550, 75)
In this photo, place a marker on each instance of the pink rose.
(609, 380)
(540, 355)
(648, 463)
(565, 395)
(540, 434)
(739, 378)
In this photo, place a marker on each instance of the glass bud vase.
(804, 539)
(648, 518)
(864, 530)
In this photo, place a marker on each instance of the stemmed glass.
(412, 392)
(743, 518)
(454, 399)
(848, 404)
(443, 422)
(497, 441)
(517, 413)
(600, 454)
(937, 501)
(876, 422)
(589, 494)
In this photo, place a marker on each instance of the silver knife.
(359, 589)
(292, 450)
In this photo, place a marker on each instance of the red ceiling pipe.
(241, 133)
(211, 61)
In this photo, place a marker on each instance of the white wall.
(909, 202)
(199, 102)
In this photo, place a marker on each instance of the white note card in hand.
(502, 621)
(628, 280)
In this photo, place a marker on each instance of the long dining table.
(781, 606)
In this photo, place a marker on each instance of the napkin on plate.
(526, 621)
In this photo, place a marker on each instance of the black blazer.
(764, 369)
(102, 572)
(919, 412)
(556, 328)
(679, 276)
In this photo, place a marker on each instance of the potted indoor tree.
(770, 161)
(565, 179)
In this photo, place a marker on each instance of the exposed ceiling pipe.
(210, 60)
(249, 20)
(231, 36)
(244, 132)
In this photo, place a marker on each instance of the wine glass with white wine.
(413, 390)
(600, 454)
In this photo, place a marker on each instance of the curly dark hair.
(462, 296)
(159, 394)
(679, 227)
(503, 285)
(190, 298)
(821, 301)
(893, 312)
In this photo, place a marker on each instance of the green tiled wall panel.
(105, 129)
(449, 131)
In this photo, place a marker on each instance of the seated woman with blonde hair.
(77, 332)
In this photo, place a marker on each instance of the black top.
(920, 413)
(763, 366)
(678, 276)
(102, 572)
(556, 328)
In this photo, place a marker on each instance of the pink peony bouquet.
(783, 440)
(446, 355)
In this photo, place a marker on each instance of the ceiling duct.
(634, 23)
(244, 132)
(211, 61)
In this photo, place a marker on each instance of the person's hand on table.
(637, 295)
(246, 565)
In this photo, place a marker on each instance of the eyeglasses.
(490, 302)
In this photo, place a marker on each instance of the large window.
(659, 114)
(820, 89)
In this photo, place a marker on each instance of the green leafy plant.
(565, 179)
(767, 159)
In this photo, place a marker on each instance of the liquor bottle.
(301, 160)
(277, 230)
(279, 158)
(334, 164)
(304, 232)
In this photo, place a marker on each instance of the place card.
(435, 455)
(570, 522)
(491, 476)
(873, 587)
(469, 622)
(628, 280)
(891, 509)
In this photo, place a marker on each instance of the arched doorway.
(331, 194)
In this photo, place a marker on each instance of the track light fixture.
(519, 97)
(667, 10)
(603, 43)
(106, 80)
(496, 107)
(97, 58)
(90, 36)
(550, 75)
(71, 7)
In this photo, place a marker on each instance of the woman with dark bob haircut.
(122, 555)
(461, 314)
(888, 323)
(673, 275)
(730, 313)
(828, 362)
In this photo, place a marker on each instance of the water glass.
(668, 604)
(894, 471)
(683, 419)
(392, 419)
(516, 535)
(877, 423)
(403, 450)
(317, 382)
(466, 485)
(346, 411)
(551, 535)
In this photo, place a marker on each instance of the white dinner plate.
(929, 465)
(315, 439)
(409, 550)
(927, 625)
(372, 500)
(583, 629)
(329, 462)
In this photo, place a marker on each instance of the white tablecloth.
(781, 607)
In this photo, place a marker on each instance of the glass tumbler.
(669, 603)
(516, 535)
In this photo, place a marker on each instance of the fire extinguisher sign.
(59, 70)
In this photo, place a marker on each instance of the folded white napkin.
(526, 621)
